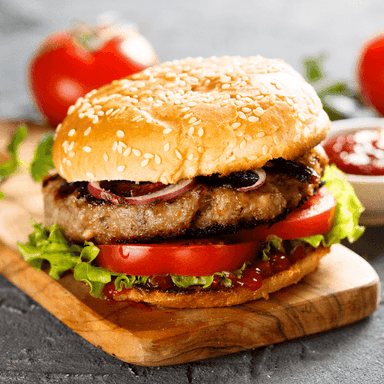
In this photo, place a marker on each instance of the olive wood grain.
(344, 289)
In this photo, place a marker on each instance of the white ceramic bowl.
(369, 189)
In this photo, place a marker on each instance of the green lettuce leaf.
(348, 211)
(42, 159)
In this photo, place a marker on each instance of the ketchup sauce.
(252, 277)
(359, 153)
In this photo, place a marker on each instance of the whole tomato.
(68, 64)
(370, 72)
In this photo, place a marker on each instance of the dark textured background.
(34, 346)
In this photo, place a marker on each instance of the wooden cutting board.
(344, 289)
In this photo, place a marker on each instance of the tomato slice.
(186, 258)
(312, 218)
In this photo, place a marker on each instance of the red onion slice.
(96, 191)
(262, 176)
(167, 193)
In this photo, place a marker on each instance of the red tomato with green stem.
(370, 72)
(69, 64)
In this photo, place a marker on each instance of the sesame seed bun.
(235, 296)
(190, 117)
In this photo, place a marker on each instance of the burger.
(195, 183)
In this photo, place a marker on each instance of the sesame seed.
(109, 112)
(144, 162)
(71, 109)
(276, 140)
(225, 86)
(70, 146)
(114, 146)
(289, 101)
(178, 154)
(253, 119)
(242, 115)
(192, 120)
(200, 149)
(164, 180)
(90, 175)
(296, 138)
(243, 144)
(190, 157)
(197, 122)
(236, 125)
(191, 131)
(148, 156)
(71, 154)
(140, 119)
(166, 147)
(157, 159)
(187, 116)
(136, 118)
(265, 149)
(87, 131)
(301, 116)
(100, 113)
(127, 152)
(246, 110)
(200, 132)
(121, 168)
(167, 130)
(248, 137)
(71, 132)
(95, 120)
(61, 169)
(136, 152)
(86, 105)
(258, 111)
(87, 149)
(260, 134)
(81, 115)
(191, 104)
(69, 163)
(106, 158)
(58, 127)
(120, 134)
(186, 109)
(278, 85)
(239, 133)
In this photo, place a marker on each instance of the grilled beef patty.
(207, 209)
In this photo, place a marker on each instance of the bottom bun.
(228, 297)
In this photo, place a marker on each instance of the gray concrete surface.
(34, 346)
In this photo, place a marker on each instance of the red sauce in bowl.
(358, 153)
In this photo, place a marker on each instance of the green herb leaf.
(12, 166)
(42, 160)
(313, 68)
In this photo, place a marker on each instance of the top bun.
(190, 117)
